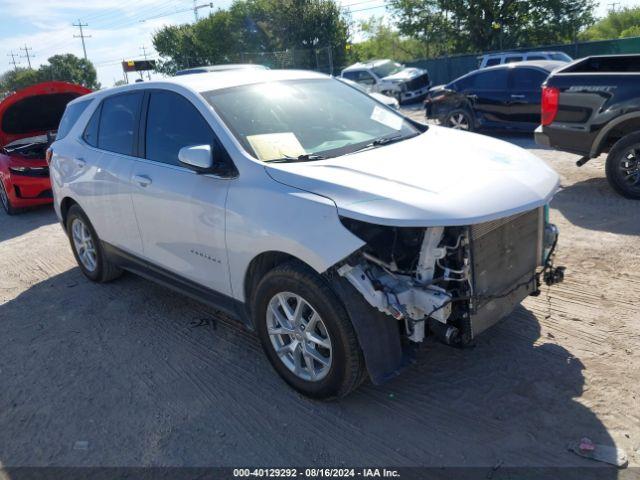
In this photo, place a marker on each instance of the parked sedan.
(335, 227)
(505, 97)
(28, 123)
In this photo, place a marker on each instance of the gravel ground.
(130, 374)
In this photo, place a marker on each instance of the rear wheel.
(459, 120)
(6, 202)
(87, 248)
(306, 332)
(623, 166)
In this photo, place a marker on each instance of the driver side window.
(172, 123)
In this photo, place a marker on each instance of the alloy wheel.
(299, 336)
(459, 121)
(3, 197)
(84, 245)
(629, 167)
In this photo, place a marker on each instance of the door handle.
(517, 96)
(80, 162)
(142, 180)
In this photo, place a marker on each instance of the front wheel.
(6, 202)
(306, 332)
(459, 120)
(623, 166)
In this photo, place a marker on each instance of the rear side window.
(527, 79)
(513, 59)
(489, 80)
(118, 123)
(90, 134)
(536, 57)
(172, 123)
(70, 117)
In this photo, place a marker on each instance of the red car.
(28, 122)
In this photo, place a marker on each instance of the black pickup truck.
(592, 106)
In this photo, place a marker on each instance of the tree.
(460, 26)
(383, 41)
(69, 68)
(621, 24)
(251, 30)
(17, 79)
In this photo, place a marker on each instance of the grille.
(505, 253)
(418, 82)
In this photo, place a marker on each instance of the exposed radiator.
(505, 253)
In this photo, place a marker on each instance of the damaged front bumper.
(452, 282)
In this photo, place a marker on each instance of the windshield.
(387, 68)
(561, 56)
(299, 118)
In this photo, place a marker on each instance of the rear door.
(108, 157)
(525, 89)
(486, 92)
(181, 214)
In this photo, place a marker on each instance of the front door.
(181, 214)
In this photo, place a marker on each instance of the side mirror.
(197, 157)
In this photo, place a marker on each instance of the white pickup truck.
(390, 78)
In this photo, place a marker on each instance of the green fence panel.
(445, 69)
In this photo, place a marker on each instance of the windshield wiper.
(383, 141)
(305, 157)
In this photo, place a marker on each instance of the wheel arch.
(614, 131)
(259, 266)
(65, 205)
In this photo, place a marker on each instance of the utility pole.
(13, 60)
(614, 6)
(26, 54)
(197, 7)
(144, 52)
(82, 36)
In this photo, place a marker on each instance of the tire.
(623, 166)
(459, 120)
(101, 270)
(287, 284)
(6, 202)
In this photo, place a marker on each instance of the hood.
(387, 100)
(405, 74)
(438, 88)
(35, 110)
(443, 177)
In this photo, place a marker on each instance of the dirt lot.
(130, 373)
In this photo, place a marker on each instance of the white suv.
(338, 229)
(491, 59)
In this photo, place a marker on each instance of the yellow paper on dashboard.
(272, 146)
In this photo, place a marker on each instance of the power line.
(26, 54)
(614, 6)
(82, 36)
(195, 9)
(13, 60)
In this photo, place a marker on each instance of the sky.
(119, 29)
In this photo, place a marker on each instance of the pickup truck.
(592, 106)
